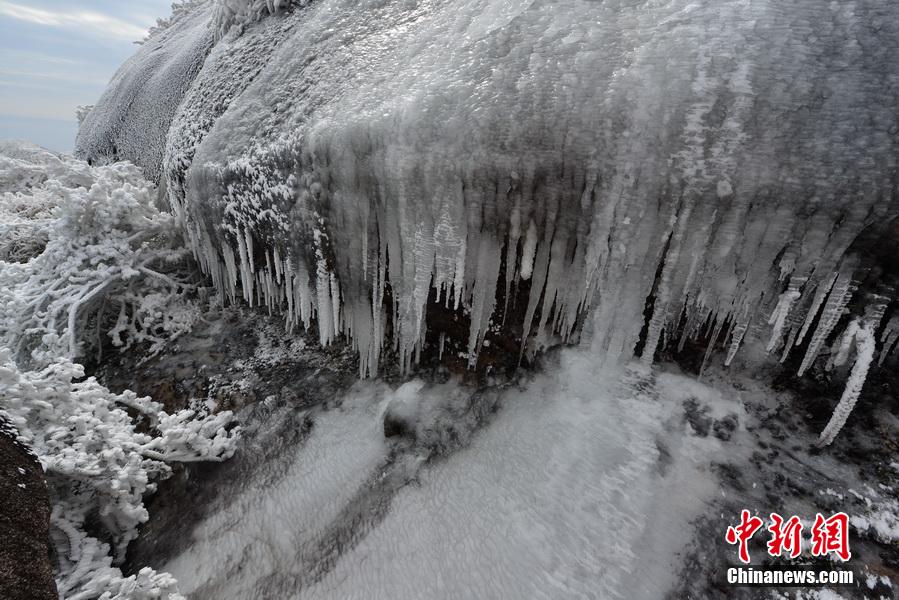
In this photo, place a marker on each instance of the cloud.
(28, 56)
(77, 19)
(22, 77)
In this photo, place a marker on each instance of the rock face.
(25, 569)
(685, 169)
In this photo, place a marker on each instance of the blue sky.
(57, 54)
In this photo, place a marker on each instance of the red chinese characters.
(742, 533)
(786, 536)
(828, 536)
(831, 535)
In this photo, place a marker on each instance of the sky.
(58, 54)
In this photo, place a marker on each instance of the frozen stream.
(581, 485)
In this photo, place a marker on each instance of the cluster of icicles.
(639, 173)
(242, 12)
(860, 333)
(569, 272)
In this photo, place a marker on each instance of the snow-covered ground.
(574, 482)
(583, 484)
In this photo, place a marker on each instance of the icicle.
(863, 337)
(483, 299)
(291, 316)
(737, 334)
(424, 249)
(528, 252)
(512, 252)
(246, 270)
(231, 267)
(446, 247)
(820, 295)
(719, 324)
(839, 297)
(554, 279)
(325, 304)
(782, 311)
(269, 283)
(335, 304)
(663, 294)
(276, 258)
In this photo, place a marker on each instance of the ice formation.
(681, 169)
(580, 482)
(84, 248)
(79, 245)
(99, 465)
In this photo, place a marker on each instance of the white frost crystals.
(93, 254)
(861, 334)
(507, 160)
(242, 12)
(96, 461)
(105, 257)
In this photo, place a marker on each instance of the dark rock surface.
(785, 473)
(26, 572)
(245, 361)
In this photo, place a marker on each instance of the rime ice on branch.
(89, 245)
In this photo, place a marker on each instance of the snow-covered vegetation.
(87, 256)
(100, 462)
(92, 257)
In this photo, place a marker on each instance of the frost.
(229, 13)
(861, 333)
(347, 166)
(91, 248)
(96, 459)
(81, 245)
(130, 121)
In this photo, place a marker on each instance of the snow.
(822, 594)
(881, 521)
(84, 244)
(79, 240)
(269, 521)
(580, 479)
(321, 157)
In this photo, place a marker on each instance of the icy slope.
(528, 159)
(582, 485)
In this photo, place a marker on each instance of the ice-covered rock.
(131, 119)
(518, 161)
